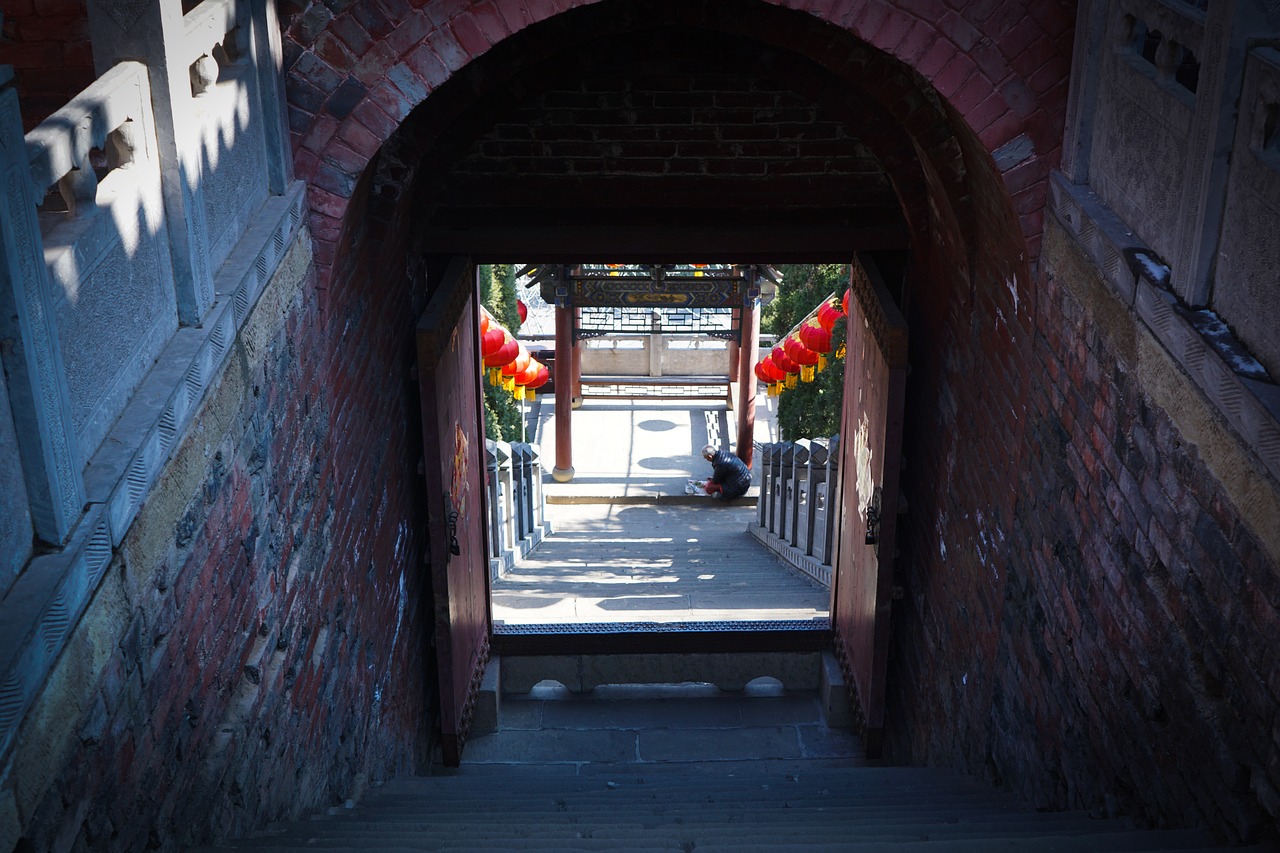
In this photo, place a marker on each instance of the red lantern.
(783, 362)
(815, 337)
(506, 349)
(761, 375)
(519, 363)
(491, 341)
(504, 354)
(844, 303)
(798, 352)
(522, 310)
(828, 314)
(524, 377)
(484, 322)
(542, 378)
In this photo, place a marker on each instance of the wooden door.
(871, 445)
(452, 443)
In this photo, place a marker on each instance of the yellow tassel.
(806, 373)
(509, 384)
(530, 394)
(822, 362)
(519, 392)
(791, 380)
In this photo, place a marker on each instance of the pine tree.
(810, 409)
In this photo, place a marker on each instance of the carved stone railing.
(118, 311)
(95, 163)
(794, 514)
(517, 507)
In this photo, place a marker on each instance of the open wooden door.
(871, 444)
(452, 441)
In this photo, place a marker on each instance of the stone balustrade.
(517, 508)
(139, 226)
(793, 516)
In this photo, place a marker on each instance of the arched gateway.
(668, 131)
(233, 403)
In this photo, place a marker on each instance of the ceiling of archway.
(676, 136)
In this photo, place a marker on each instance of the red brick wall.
(354, 75)
(1086, 616)
(47, 43)
(281, 652)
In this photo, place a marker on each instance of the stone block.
(520, 674)
(489, 700)
(833, 693)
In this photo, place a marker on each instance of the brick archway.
(960, 143)
(997, 76)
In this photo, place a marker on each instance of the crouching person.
(730, 476)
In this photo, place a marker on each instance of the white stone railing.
(654, 355)
(99, 152)
(102, 381)
(795, 514)
(517, 508)
(113, 115)
(204, 28)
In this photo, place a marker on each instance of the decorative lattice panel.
(715, 322)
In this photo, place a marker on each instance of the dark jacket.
(731, 473)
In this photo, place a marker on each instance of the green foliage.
(810, 409)
(498, 293)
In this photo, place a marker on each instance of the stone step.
(709, 807)
(939, 804)
(1124, 842)
(709, 830)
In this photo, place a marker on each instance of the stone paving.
(632, 449)
(629, 545)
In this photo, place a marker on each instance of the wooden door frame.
(448, 328)
(864, 659)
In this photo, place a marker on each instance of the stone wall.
(258, 647)
(1107, 647)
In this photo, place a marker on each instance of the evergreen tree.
(498, 294)
(810, 409)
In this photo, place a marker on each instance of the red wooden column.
(747, 380)
(563, 471)
(734, 348)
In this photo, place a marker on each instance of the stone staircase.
(709, 807)
(630, 769)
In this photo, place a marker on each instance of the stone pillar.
(563, 472)
(767, 473)
(800, 497)
(734, 347)
(747, 380)
(577, 363)
(181, 67)
(654, 347)
(50, 454)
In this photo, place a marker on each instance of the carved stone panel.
(114, 311)
(1244, 290)
(15, 516)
